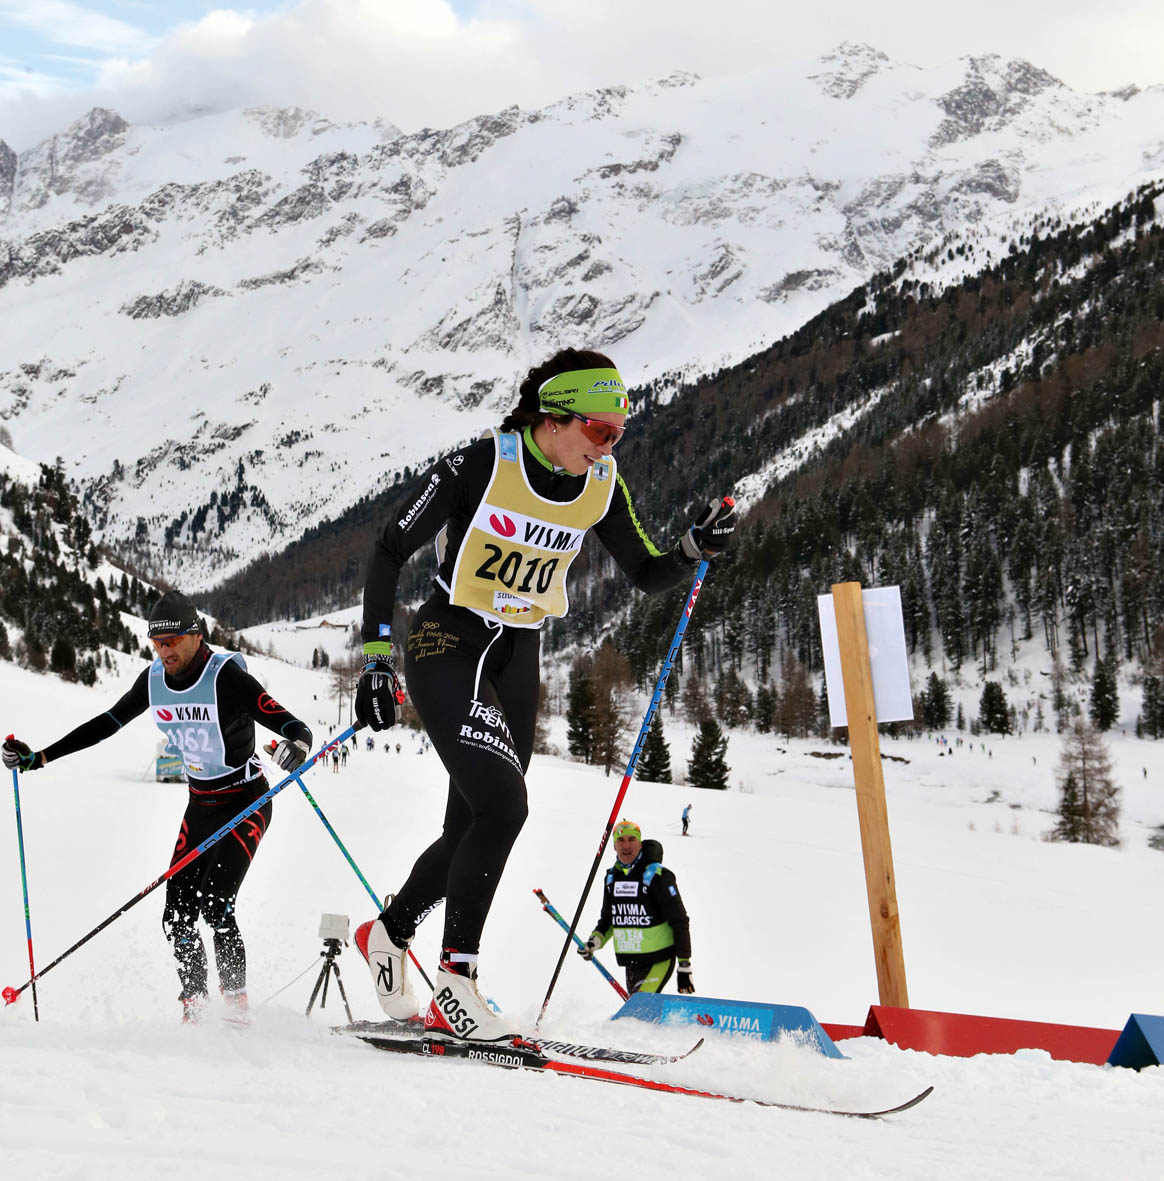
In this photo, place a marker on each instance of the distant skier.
(642, 910)
(686, 818)
(206, 704)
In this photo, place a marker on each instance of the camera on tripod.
(334, 926)
(333, 930)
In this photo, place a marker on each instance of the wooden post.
(870, 783)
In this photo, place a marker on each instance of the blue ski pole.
(552, 911)
(668, 664)
(24, 886)
(10, 994)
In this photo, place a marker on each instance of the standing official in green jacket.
(643, 912)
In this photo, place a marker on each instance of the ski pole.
(668, 663)
(343, 849)
(24, 886)
(552, 911)
(10, 994)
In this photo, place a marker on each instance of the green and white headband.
(584, 391)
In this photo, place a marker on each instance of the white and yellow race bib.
(513, 560)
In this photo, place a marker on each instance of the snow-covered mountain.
(234, 327)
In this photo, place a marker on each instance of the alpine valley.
(235, 328)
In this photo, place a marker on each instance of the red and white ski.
(547, 1046)
(521, 1056)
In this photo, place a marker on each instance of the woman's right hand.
(19, 756)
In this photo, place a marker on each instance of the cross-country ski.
(527, 1057)
(550, 1046)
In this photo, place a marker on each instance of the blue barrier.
(749, 1019)
(1141, 1043)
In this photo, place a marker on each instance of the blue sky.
(59, 44)
(434, 62)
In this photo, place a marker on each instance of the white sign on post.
(885, 630)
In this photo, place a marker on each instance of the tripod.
(331, 949)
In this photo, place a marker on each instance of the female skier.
(509, 514)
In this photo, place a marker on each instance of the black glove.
(587, 950)
(17, 755)
(289, 754)
(712, 532)
(379, 698)
(683, 979)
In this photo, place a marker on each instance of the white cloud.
(417, 62)
(62, 23)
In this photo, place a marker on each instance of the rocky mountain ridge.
(233, 327)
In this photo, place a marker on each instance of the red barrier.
(839, 1032)
(962, 1036)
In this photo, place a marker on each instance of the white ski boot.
(388, 963)
(459, 1010)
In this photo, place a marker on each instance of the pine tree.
(707, 767)
(1069, 826)
(580, 712)
(824, 721)
(935, 704)
(993, 715)
(733, 702)
(1089, 809)
(655, 764)
(1105, 698)
(63, 658)
(764, 709)
(696, 708)
(610, 681)
(1152, 715)
(796, 705)
(34, 653)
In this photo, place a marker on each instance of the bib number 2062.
(191, 738)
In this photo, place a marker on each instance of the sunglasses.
(170, 641)
(599, 433)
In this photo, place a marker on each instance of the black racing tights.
(208, 886)
(482, 727)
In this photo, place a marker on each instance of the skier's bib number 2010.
(506, 567)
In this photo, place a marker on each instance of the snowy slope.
(235, 326)
(994, 921)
